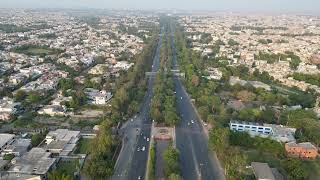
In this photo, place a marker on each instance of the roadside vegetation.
(211, 97)
(163, 106)
(131, 87)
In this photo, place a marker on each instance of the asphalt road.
(131, 163)
(197, 162)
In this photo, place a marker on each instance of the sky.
(282, 6)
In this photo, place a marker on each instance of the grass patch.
(34, 50)
(83, 146)
(68, 167)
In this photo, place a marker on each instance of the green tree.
(36, 139)
(34, 97)
(175, 177)
(20, 95)
(295, 169)
(219, 139)
(171, 159)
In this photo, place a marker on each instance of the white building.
(98, 97)
(276, 132)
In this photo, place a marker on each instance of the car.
(192, 121)
(188, 124)
(181, 97)
(175, 92)
(143, 148)
(138, 149)
(144, 137)
(131, 120)
(148, 139)
(139, 177)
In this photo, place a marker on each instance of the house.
(262, 171)
(275, 132)
(97, 97)
(304, 150)
(5, 139)
(98, 69)
(7, 108)
(18, 147)
(62, 141)
(214, 73)
(53, 110)
(35, 162)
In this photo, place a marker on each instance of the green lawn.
(67, 167)
(34, 50)
(83, 146)
(39, 51)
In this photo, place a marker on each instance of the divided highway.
(197, 161)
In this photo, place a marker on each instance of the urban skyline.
(282, 6)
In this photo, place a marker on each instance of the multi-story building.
(304, 150)
(276, 132)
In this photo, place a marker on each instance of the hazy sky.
(307, 6)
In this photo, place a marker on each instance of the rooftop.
(306, 145)
(4, 138)
(63, 134)
(262, 171)
(36, 161)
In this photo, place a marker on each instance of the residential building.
(304, 150)
(62, 141)
(35, 162)
(18, 147)
(97, 97)
(5, 139)
(7, 108)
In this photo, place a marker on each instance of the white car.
(192, 121)
(148, 139)
(138, 149)
(181, 97)
(143, 148)
(139, 177)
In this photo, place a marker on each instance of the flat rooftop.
(36, 161)
(4, 138)
(262, 171)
